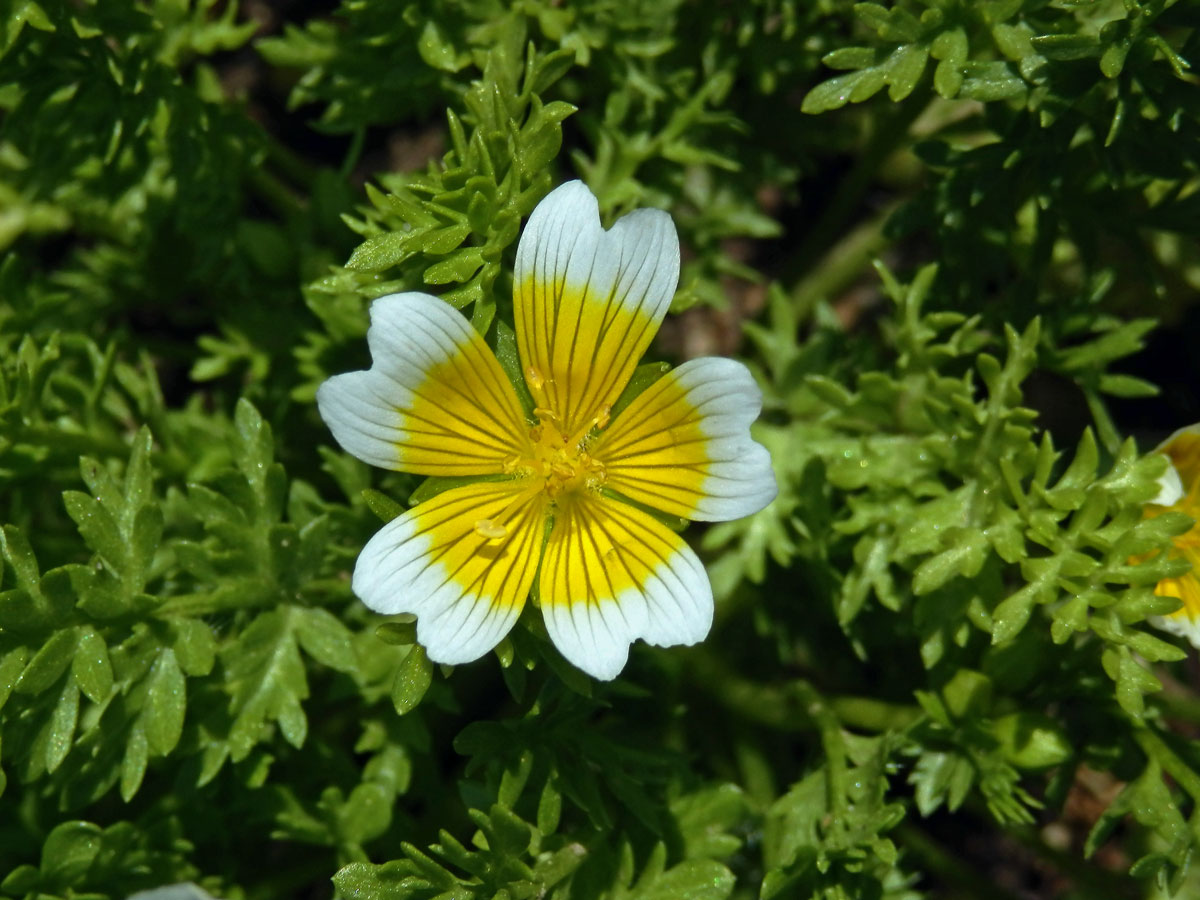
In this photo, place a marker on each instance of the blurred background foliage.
(955, 240)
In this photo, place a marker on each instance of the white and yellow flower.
(1180, 492)
(436, 402)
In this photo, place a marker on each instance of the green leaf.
(437, 52)
(390, 881)
(413, 679)
(58, 733)
(842, 89)
(325, 638)
(49, 663)
(134, 763)
(399, 634)
(97, 526)
(194, 645)
(91, 667)
(366, 814)
(1013, 613)
(166, 703)
(1031, 740)
(268, 682)
(510, 361)
(549, 69)
(990, 81)
(849, 58)
(383, 251)
(69, 851)
(383, 505)
(458, 267)
(904, 69)
(966, 557)
(11, 665)
(549, 811)
(698, 879)
(1067, 46)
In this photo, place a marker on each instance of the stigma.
(561, 460)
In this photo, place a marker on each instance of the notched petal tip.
(683, 446)
(363, 424)
(465, 588)
(435, 400)
(579, 286)
(612, 575)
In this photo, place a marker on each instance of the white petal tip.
(1170, 487)
(1179, 624)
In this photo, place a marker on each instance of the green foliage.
(933, 655)
(995, 50)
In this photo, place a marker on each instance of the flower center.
(560, 459)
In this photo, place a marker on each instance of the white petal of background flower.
(1170, 487)
(1180, 624)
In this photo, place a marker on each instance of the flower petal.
(1170, 487)
(435, 400)
(463, 562)
(1185, 621)
(1183, 449)
(683, 445)
(612, 574)
(1182, 493)
(589, 301)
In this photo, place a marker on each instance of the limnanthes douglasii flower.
(1181, 493)
(559, 507)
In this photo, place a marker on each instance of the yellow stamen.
(560, 460)
(489, 529)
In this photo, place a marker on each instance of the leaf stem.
(1156, 748)
(832, 742)
(844, 263)
(850, 191)
(869, 714)
(788, 706)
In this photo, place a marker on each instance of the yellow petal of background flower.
(1186, 620)
(683, 445)
(1183, 449)
(435, 400)
(588, 302)
(463, 562)
(612, 574)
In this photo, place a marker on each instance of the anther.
(486, 528)
(605, 415)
